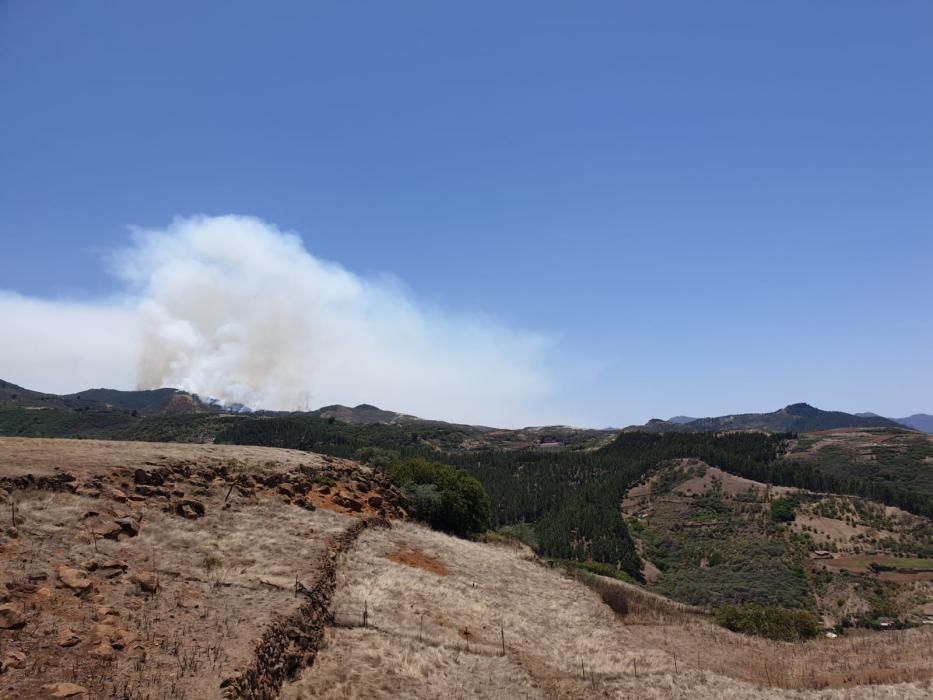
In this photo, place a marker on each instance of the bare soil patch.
(419, 560)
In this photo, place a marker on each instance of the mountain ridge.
(798, 417)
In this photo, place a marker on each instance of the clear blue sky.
(709, 207)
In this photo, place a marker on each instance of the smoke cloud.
(233, 308)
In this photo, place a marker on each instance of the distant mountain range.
(798, 417)
(918, 421)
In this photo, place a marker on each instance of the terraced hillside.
(709, 537)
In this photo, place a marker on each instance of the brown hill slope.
(139, 570)
(149, 570)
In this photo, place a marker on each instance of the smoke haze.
(233, 308)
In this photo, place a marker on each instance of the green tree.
(443, 496)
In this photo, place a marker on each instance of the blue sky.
(703, 207)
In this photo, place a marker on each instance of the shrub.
(878, 567)
(443, 496)
(782, 510)
(608, 570)
(773, 622)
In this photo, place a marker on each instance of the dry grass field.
(430, 635)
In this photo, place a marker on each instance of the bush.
(773, 622)
(878, 567)
(782, 510)
(443, 496)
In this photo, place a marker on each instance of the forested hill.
(797, 418)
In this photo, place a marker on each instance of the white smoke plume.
(233, 308)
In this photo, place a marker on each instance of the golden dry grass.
(432, 636)
(44, 456)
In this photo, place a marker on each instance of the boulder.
(74, 579)
(67, 638)
(102, 526)
(117, 495)
(12, 659)
(190, 509)
(11, 618)
(148, 478)
(129, 526)
(147, 583)
(152, 491)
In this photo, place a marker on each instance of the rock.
(88, 492)
(112, 568)
(103, 650)
(375, 501)
(348, 503)
(74, 579)
(147, 583)
(152, 491)
(11, 618)
(67, 638)
(324, 489)
(12, 659)
(306, 504)
(118, 495)
(65, 690)
(12, 533)
(190, 509)
(128, 526)
(103, 612)
(148, 478)
(287, 489)
(102, 526)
